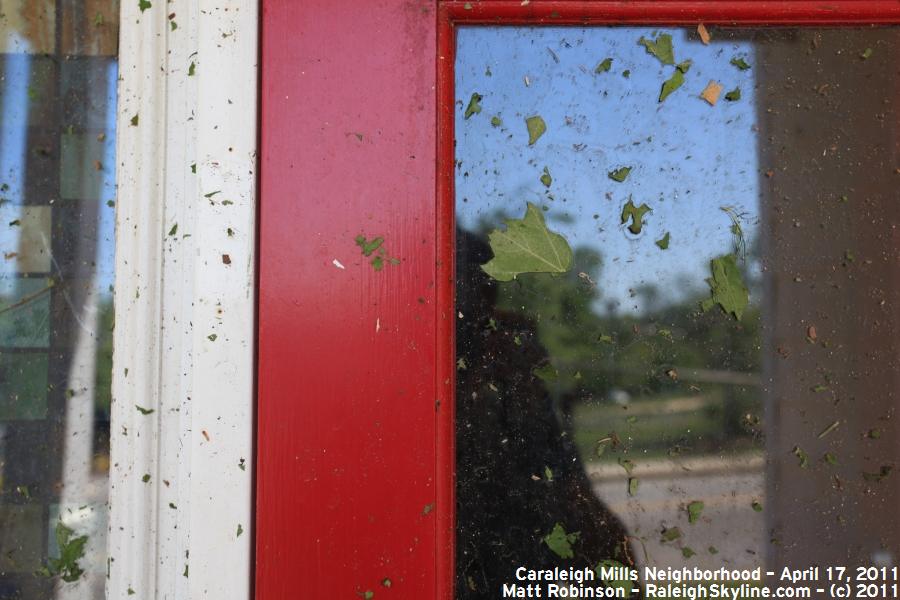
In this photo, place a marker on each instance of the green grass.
(650, 430)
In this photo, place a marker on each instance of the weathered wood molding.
(181, 481)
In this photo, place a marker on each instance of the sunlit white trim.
(183, 344)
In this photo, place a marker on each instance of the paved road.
(728, 521)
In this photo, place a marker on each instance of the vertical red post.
(355, 446)
(348, 493)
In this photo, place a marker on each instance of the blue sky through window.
(689, 159)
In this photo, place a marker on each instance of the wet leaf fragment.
(375, 247)
(740, 63)
(604, 66)
(547, 373)
(144, 5)
(866, 54)
(474, 106)
(627, 464)
(71, 550)
(369, 246)
(527, 246)
(663, 242)
(620, 174)
(661, 48)
(830, 458)
(726, 287)
(694, 510)
(617, 584)
(688, 552)
(711, 92)
(670, 534)
(734, 95)
(756, 506)
(536, 128)
(635, 214)
(802, 457)
(546, 179)
(671, 84)
(633, 483)
(561, 542)
(144, 411)
(496, 121)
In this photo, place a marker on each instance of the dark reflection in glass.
(58, 76)
(644, 389)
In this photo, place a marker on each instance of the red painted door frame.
(355, 437)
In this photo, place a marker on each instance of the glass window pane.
(677, 280)
(58, 74)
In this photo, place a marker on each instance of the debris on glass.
(58, 77)
(690, 328)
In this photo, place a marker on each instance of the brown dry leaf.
(811, 333)
(226, 259)
(704, 34)
(711, 92)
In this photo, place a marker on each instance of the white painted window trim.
(181, 480)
